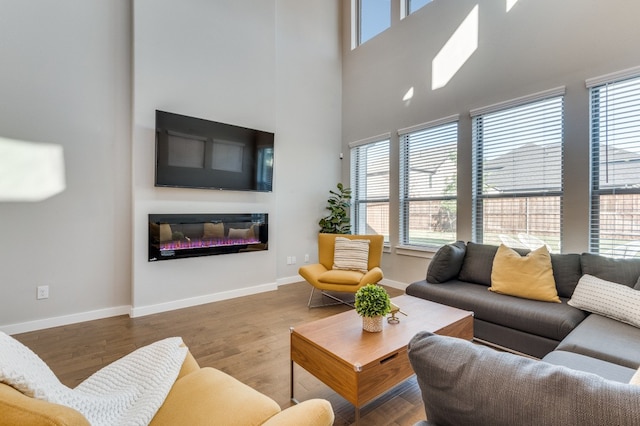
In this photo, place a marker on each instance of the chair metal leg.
(337, 300)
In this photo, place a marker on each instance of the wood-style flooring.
(246, 337)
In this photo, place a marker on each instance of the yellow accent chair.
(324, 277)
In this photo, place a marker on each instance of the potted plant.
(372, 303)
(337, 222)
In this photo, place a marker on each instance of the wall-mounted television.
(197, 153)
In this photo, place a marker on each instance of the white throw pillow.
(351, 255)
(635, 380)
(616, 301)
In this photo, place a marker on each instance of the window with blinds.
(370, 188)
(517, 172)
(615, 167)
(428, 185)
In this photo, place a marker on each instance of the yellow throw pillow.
(529, 277)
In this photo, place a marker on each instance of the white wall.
(70, 71)
(65, 80)
(538, 45)
(270, 65)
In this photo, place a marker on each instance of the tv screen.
(196, 153)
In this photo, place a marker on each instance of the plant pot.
(372, 324)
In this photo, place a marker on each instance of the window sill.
(416, 251)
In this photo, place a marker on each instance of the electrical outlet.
(42, 292)
(306, 258)
(288, 260)
(293, 260)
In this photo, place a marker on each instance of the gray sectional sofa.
(588, 358)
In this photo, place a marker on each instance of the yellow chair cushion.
(336, 276)
(529, 277)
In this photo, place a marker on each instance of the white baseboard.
(394, 284)
(200, 300)
(289, 280)
(41, 324)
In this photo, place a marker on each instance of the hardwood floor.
(247, 337)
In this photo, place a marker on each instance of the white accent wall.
(536, 46)
(90, 75)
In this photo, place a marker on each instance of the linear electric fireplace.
(173, 236)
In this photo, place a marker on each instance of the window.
(615, 167)
(374, 16)
(428, 184)
(517, 172)
(370, 188)
(413, 5)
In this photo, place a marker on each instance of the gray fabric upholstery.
(605, 339)
(621, 271)
(446, 263)
(516, 340)
(580, 362)
(477, 264)
(566, 272)
(551, 320)
(467, 384)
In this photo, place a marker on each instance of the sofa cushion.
(606, 339)
(478, 263)
(467, 384)
(529, 277)
(551, 320)
(446, 263)
(566, 272)
(623, 271)
(616, 301)
(605, 369)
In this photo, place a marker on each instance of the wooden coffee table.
(361, 366)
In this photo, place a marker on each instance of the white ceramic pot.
(372, 324)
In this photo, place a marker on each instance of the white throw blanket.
(127, 392)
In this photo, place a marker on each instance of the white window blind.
(517, 174)
(370, 188)
(615, 172)
(428, 185)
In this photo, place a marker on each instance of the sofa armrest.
(19, 409)
(313, 412)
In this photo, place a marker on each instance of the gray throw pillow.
(478, 262)
(621, 271)
(566, 272)
(446, 263)
(467, 384)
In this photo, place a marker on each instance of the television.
(197, 153)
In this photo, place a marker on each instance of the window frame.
(405, 199)
(478, 196)
(356, 199)
(595, 87)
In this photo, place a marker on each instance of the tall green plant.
(338, 221)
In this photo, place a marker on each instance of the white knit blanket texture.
(128, 391)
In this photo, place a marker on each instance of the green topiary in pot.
(372, 300)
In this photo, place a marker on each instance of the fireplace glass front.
(173, 236)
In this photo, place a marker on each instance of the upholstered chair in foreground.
(185, 393)
(345, 263)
